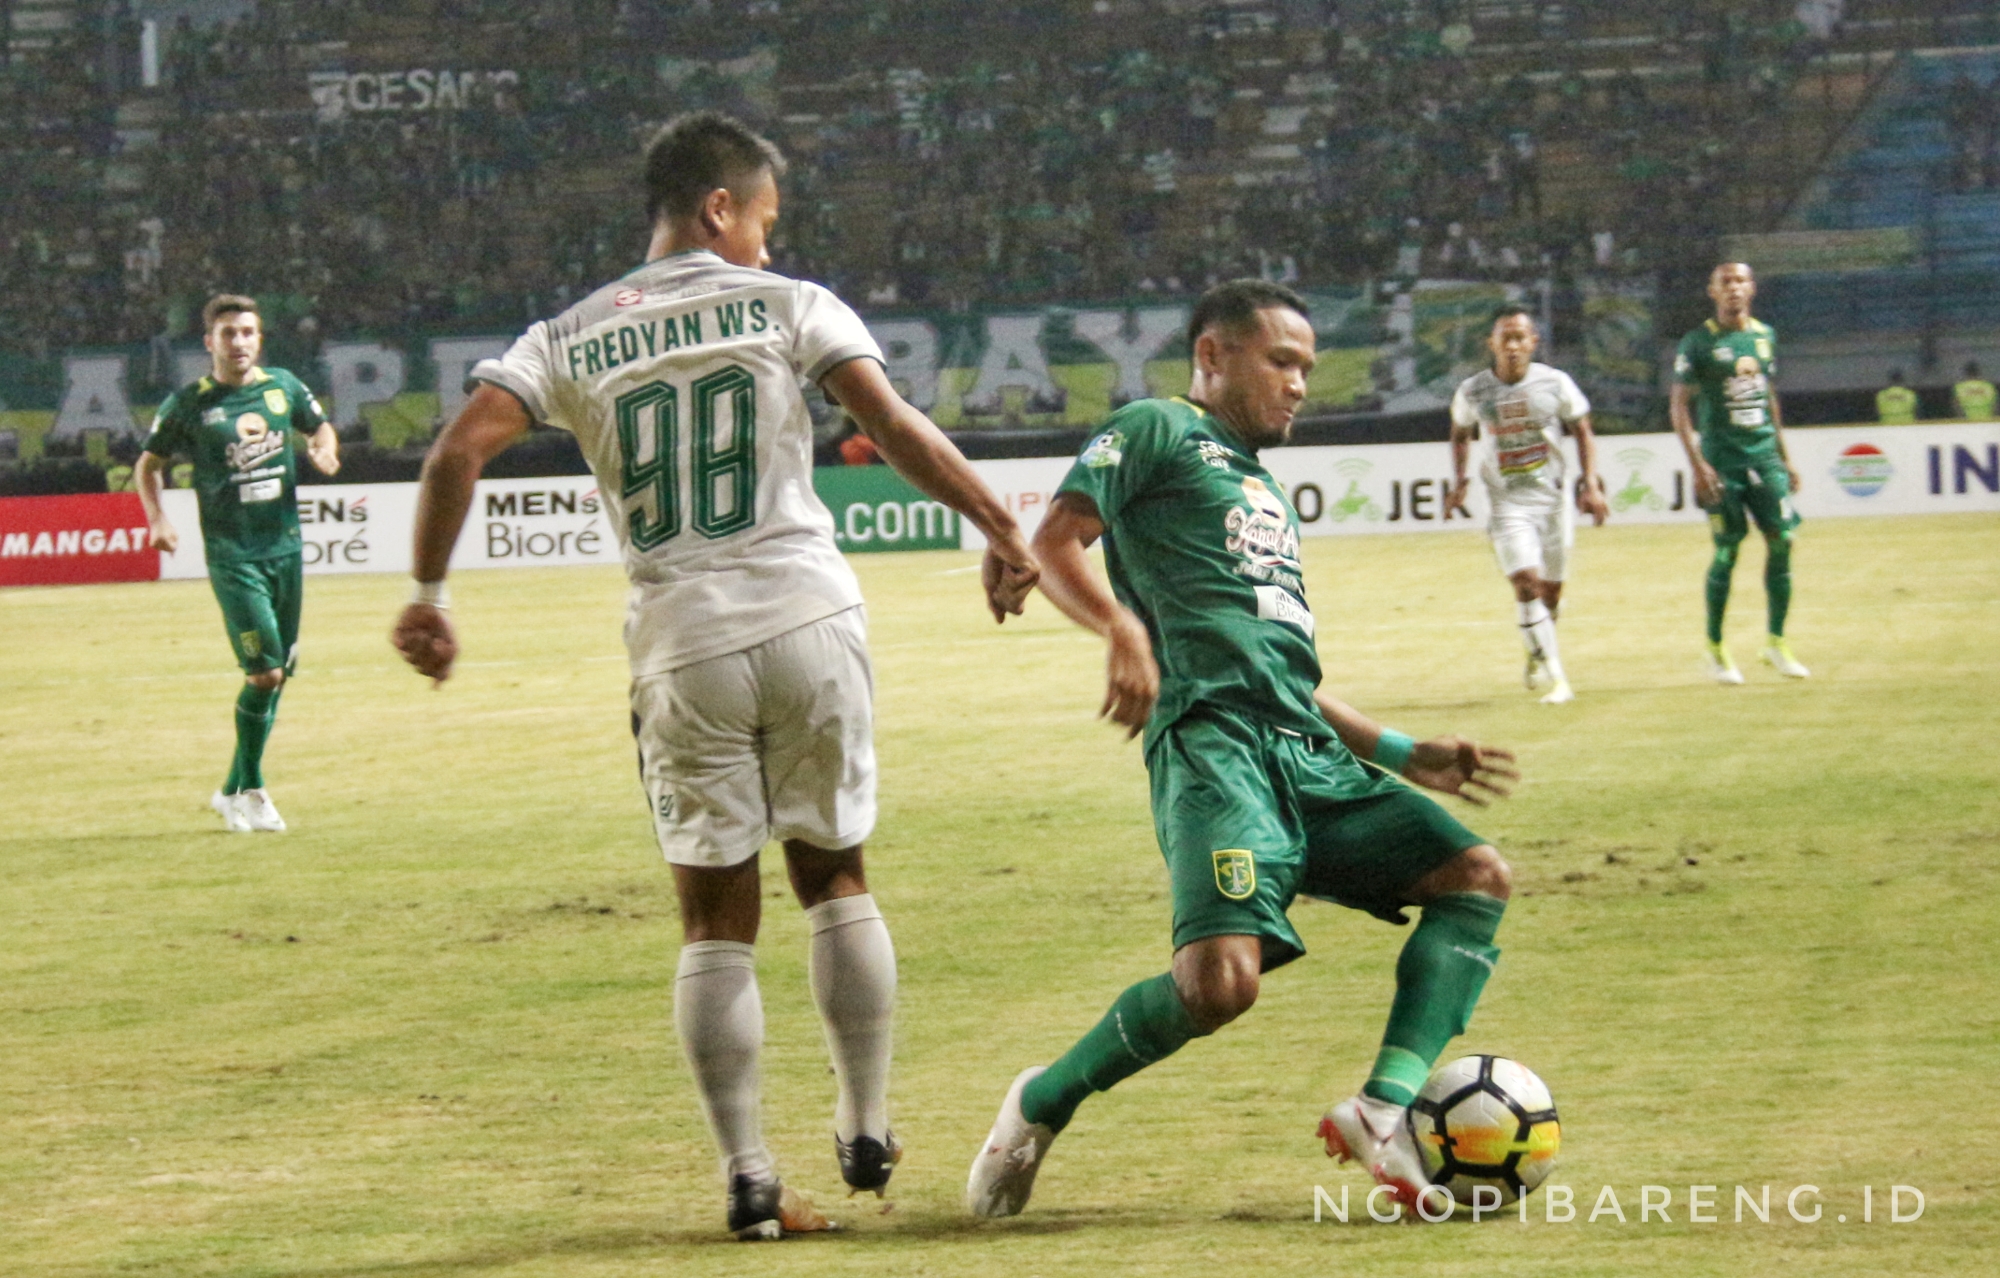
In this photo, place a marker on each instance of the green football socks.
(1147, 1023)
(1778, 583)
(1443, 968)
(256, 711)
(1720, 569)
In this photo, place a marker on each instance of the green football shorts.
(1759, 491)
(260, 610)
(1249, 818)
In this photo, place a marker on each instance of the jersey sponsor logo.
(628, 297)
(1216, 455)
(1262, 531)
(1862, 470)
(1106, 450)
(1275, 603)
(1262, 499)
(1746, 394)
(1525, 460)
(274, 399)
(1515, 410)
(212, 417)
(1723, 354)
(1235, 873)
(255, 441)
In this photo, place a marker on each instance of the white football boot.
(1778, 655)
(1380, 1143)
(1003, 1174)
(1559, 694)
(259, 813)
(230, 808)
(1721, 667)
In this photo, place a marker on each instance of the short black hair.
(1234, 304)
(1509, 311)
(1895, 376)
(1972, 368)
(696, 153)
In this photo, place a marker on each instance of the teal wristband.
(1392, 750)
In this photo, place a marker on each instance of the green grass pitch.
(428, 1032)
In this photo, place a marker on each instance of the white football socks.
(854, 984)
(1538, 636)
(720, 1018)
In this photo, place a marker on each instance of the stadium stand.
(463, 166)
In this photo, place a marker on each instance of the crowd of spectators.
(943, 155)
(1972, 121)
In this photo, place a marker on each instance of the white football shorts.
(1536, 537)
(773, 742)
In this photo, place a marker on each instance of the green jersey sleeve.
(170, 434)
(307, 415)
(1687, 357)
(1122, 459)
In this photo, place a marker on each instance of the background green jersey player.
(236, 426)
(1257, 791)
(1741, 472)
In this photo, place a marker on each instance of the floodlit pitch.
(1752, 945)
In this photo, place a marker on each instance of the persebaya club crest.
(1235, 873)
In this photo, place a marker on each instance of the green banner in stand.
(874, 508)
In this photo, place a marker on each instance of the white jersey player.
(1514, 416)
(750, 676)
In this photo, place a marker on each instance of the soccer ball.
(1486, 1120)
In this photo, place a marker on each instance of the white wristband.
(434, 593)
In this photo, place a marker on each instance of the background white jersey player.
(1514, 416)
(750, 676)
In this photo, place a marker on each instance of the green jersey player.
(1258, 789)
(1723, 393)
(236, 426)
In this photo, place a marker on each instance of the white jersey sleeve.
(1571, 403)
(526, 372)
(1463, 415)
(828, 333)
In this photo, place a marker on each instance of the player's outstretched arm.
(1062, 542)
(920, 453)
(323, 449)
(146, 478)
(490, 420)
(1450, 765)
(1591, 499)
